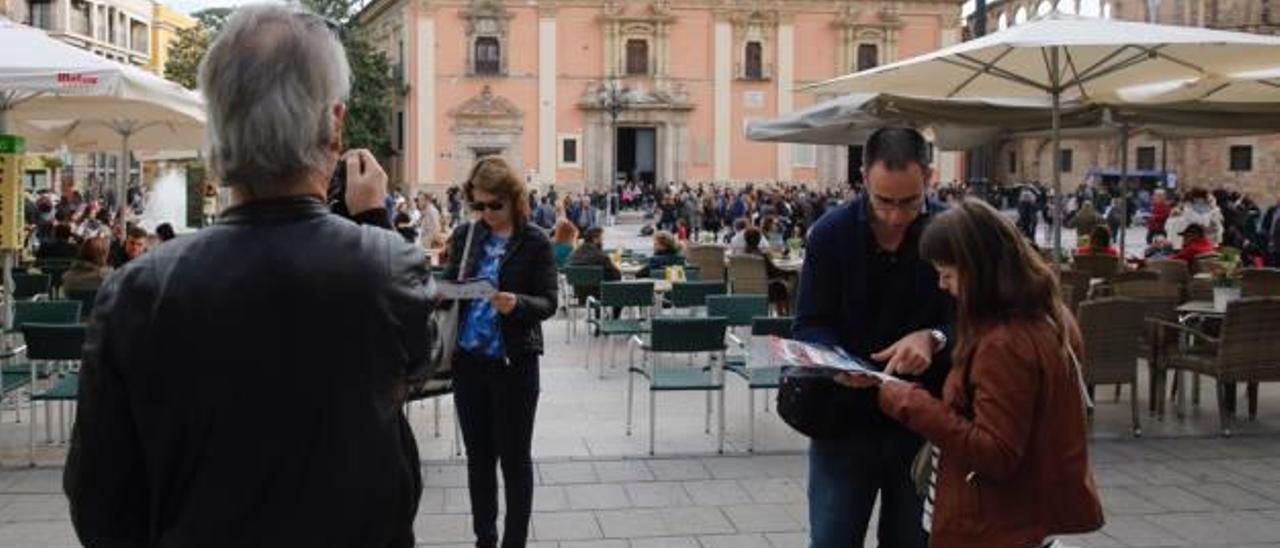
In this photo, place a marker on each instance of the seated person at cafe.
(591, 253)
(60, 247)
(779, 281)
(666, 252)
(563, 236)
(90, 267)
(1099, 243)
(1194, 243)
(1160, 246)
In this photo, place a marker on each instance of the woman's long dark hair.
(1001, 278)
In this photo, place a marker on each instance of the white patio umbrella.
(53, 84)
(954, 123)
(144, 111)
(1065, 57)
(1250, 87)
(36, 65)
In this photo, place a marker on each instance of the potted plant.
(1226, 278)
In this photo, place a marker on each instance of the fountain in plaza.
(167, 201)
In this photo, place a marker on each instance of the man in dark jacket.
(864, 288)
(244, 386)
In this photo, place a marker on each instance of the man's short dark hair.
(135, 232)
(897, 147)
(594, 234)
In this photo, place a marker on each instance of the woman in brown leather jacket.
(1011, 464)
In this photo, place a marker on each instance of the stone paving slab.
(1152, 498)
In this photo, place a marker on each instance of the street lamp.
(615, 100)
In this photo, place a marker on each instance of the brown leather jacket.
(1014, 441)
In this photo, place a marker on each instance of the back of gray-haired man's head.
(270, 81)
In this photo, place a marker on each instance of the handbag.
(445, 322)
(814, 404)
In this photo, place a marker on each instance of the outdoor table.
(631, 270)
(792, 266)
(1188, 311)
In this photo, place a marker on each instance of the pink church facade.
(534, 81)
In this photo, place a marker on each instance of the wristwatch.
(939, 340)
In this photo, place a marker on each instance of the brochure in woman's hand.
(827, 359)
(473, 289)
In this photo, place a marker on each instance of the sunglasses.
(495, 205)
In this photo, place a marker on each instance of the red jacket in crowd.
(1194, 247)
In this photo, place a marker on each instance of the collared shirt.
(890, 279)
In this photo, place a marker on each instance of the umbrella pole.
(1124, 187)
(122, 178)
(1057, 155)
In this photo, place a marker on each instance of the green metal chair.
(29, 286)
(740, 310)
(685, 337)
(630, 296)
(55, 312)
(24, 312)
(85, 297)
(693, 294)
(55, 268)
(62, 346)
(580, 282)
(759, 371)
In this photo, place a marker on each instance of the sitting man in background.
(780, 283)
(591, 253)
(1194, 244)
(133, 246)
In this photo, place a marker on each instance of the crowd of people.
(84, 235)
(246, 385)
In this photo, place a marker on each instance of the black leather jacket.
(528, 269)
(244, 386)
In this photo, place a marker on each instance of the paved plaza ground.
(1179, 485)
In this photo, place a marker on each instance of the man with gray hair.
(244, 386)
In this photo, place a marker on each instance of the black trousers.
(496, 404)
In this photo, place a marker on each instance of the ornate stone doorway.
(485, 125)
(653, 128)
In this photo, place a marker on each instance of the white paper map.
(467, 290)
(802, 354)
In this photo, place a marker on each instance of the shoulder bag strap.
(466, 252)
(1075, 364)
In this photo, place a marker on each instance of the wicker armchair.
(1097, 266)
(748, 275)
(1173, 271)
(1200, 289)
(1112, 330)
(1106, 289)
(1248, 351)
(1159, 301)
(708, 258)
(1260, 282)
(1079, 284)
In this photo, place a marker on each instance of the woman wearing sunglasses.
(1010, 440)
(499, 343)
